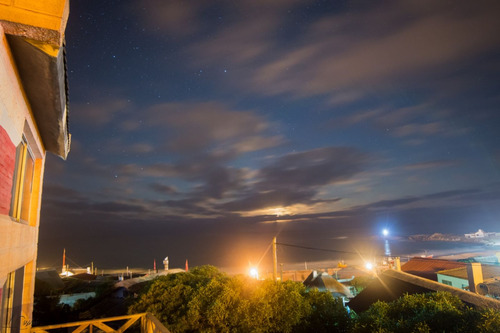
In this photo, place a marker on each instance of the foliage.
(207, 300)
(432, 312)
(489, 321)
(47, 310)
(326, 314)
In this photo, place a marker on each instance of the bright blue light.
(385, 232)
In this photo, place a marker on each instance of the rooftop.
(428, 267)
(392, 284)
(489, 272)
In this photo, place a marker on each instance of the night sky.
(201, 129)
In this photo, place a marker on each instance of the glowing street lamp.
(369, 266)
(385, 232)
(254, 273)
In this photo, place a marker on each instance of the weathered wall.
(18, 241)
(42, 20)
(7, 164)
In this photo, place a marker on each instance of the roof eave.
(42, 70)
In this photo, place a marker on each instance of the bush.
(210, 301)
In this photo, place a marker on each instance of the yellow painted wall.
(46, 14)
(18, 241)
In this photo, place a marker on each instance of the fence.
(149, 324)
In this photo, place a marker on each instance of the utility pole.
(275, 260)
(64, 262)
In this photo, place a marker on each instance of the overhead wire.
(323, 249)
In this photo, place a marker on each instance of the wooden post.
(275, 260)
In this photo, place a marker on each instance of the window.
(6, 303)
(23, 181)
(11, 302)
(447, 282)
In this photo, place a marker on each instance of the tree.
(326, 314)
(432, 312)
(489, 321)
(207, 300)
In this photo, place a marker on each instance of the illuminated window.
(23, 182)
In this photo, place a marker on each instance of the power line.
(321, 249)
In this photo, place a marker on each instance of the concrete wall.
(18, 240)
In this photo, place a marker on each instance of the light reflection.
(387, 248)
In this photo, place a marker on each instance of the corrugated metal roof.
(324, 282)
(489, 272)
(428, 267)
(392, 284)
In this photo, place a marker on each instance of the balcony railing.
(149, 324)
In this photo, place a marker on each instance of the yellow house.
(33, 121)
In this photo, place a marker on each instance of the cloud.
(424, 39)
(430, 165)
(175, 18)
(192, 127)
(61, 192)
(212, 188)
(316, 167)
(163, 189)
(99, 113)
(297, 178)
(414, 122)
(140, 148)
(271, 49)
(451, 198)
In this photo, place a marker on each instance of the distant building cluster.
(482, 234)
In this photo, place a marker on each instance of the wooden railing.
(149, 324)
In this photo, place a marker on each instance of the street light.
(385, 232)
(254, 273)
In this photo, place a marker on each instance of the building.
(33, 121)
(392, 284)
(489, 279)
(428, 267)
(325, 282)
(480, 234)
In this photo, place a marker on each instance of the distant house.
(131, 282)
(350, 272)
(480, 234)
(428, 267)
(71, 299)
(324, 282)
(487, 260)
(459, 278)
(295, 275)
(50, 278)
(392, 284)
